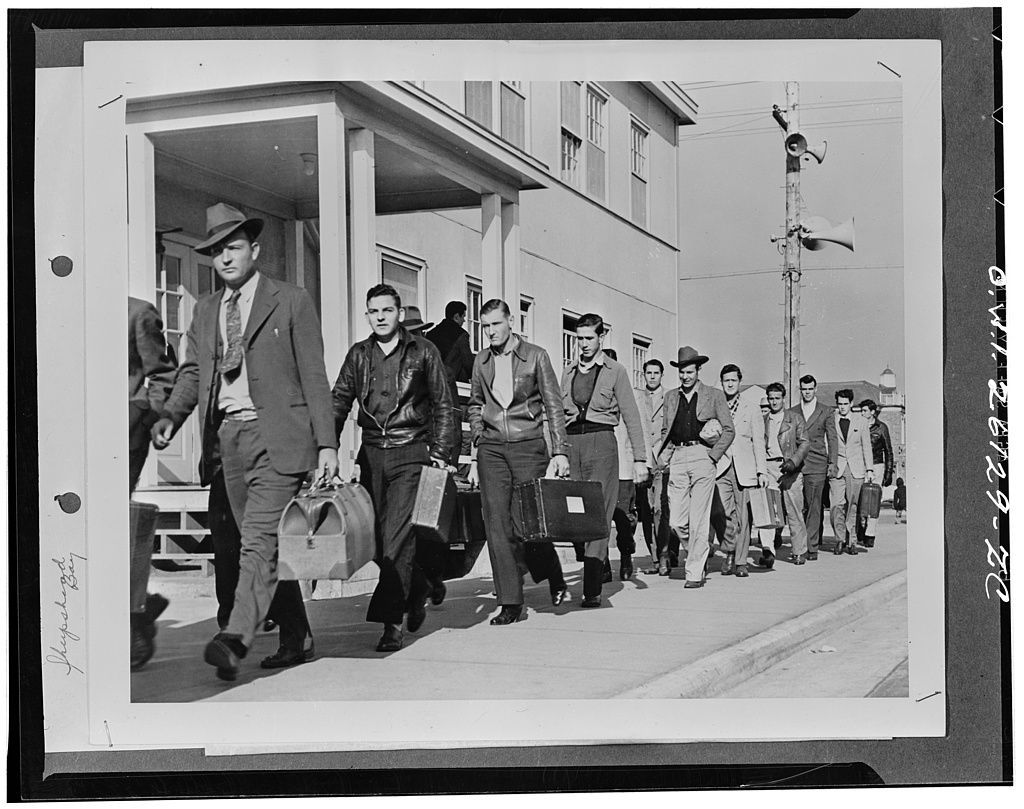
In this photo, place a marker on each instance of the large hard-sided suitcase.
(869, 506)
(434, 514)
(554, 510)
(766, 508)
(325, 532)
(468, 538)
(142, 528)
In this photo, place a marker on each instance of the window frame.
(569, 338)
(644, 344)
(474, 327)
(526, 318)
(409, 261)
(637, 126)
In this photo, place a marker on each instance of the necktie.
(232, 360)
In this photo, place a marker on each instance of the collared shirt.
(383, 373)
(808, 409)
(685, 427)
(234, 392)
(774, 423)
(503, 386)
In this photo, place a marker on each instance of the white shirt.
(808, 409)
(234, 394)
(774, 423)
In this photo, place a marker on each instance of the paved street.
(651, 638)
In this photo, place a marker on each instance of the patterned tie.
(232, 360)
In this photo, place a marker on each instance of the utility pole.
(791, 328)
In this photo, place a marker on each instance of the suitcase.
(142, 527)
(766, 508)
(434, 514)
(554, 510)
(869, 506)
(468, 538)
(325, 532)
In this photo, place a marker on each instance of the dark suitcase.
(554, 510)
(434, 514)
(325, 532)
(142, 527)
(468, 538)
(869, 506)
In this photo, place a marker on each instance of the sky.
(731, 288)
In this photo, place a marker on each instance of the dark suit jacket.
(284, 363)
(147, 359)
(821, 432)
(793, 443)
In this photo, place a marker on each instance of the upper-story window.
(638, 136)
(641, 353)
(596, 148)
(526, 317)
(570, 352)
(507, 106)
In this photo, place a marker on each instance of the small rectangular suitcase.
(766, 508)
(434, 514)
(326, 532)
(554, 510)
(470, 516)
(870, 502)
(142, 527)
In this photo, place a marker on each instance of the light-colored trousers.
(843, 494)
(793, 505)
(691, 482)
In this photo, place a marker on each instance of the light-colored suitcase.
(766, 508)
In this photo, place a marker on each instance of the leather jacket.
(423, 411)
(881, 445)
(536, 392)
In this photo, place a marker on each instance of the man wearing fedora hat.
(254, 365)
(405, 412)
(691, 454)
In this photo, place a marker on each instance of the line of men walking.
(254, 367)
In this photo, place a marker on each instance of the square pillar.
(334, 288)
(492, 247)
(511, 284)
(364, 267)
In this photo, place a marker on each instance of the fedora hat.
(688, 356)
(413, 320)
(221, 221)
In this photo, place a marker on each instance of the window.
(638, 172)
(507, 107)
(474, 301)
(595, 149)
(569, 350)
(571, 158)
(526, 317)
(641, 353)
(478, 102)
(513, 113)
(170, 291)
(402, 271)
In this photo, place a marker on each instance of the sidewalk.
(651, 638)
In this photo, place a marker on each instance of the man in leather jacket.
(513, 388)
(405, 412)
(881, 444)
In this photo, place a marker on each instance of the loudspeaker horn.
(818, 152)
(796, 144)
(816, 229)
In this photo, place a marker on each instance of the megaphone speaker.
(796, 144)
(816, 230)
(818, 152)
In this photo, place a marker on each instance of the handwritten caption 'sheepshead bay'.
(62, 652)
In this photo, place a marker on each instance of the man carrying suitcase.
(406, 415)
(513, 388)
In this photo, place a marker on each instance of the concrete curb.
(728, 667)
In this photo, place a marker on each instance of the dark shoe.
(664, 568)
(727, 565)
(837, 549)
(415, 618)
(558, 596)
(391, 640)
(224, 654)
(741, 571)
(798, 559)
(693, 585)
(852, 550)
(590, 602)
(606, 573)
(155, 605)
(812, 556)
(625, 568)
(285, 657)
(141, 650)
(767, 559)
(437, 593)
(869, 542)
(508, 615)
(269, 625)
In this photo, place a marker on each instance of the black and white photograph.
(492, 394)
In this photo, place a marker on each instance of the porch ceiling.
(266, 156)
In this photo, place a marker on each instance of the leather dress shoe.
(391, 640)
(560, 595)
(664, 568)
(591, 601)
(508, 615)
(727, 565)
(693, 585)
(415, 617)
(269, 625)
(851, 549)
(625, 568)
(224, 653)
(798, 559)
(767, 560)
(285, 657)
(741, 571)
(812, 556)
(437, 593)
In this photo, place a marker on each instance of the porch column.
(364, 268)
(142, 216)
(511, 284)
(491, 243)
(334, 294)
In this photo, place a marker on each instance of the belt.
(582, 428)
(688, 444)
(775, 459)
(240, 415)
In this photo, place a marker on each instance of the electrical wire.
(780, 271)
